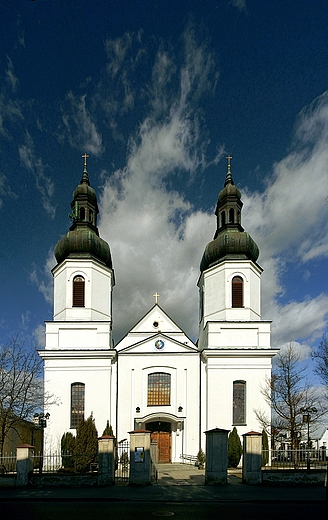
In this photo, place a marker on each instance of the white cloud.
(5, 190)
(239, 4)
(157, 240)
(155, 236)
(80, 129)
(39, 335)
(35, 165)
(43, 278)
(11, 76)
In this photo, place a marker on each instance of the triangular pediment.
(158, 343)
(155, 325)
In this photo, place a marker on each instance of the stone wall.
(287, 477)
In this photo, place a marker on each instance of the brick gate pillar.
(140, 462)
(216, 468)
(106, 460)
(252, 458)
(24, 463)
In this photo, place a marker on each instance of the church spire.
(229, 179)
(82, 240)
(85, 177)
(230, 240)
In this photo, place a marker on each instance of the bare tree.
(21, 386)
(289, 393)
(321, 359)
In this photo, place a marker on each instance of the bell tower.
(233, 340)
(79, 354)
(230, 280)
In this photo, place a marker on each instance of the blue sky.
(158, 93)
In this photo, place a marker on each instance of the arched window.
(78, 291)
(237, 292)
(223, 218)
(91, 216)
(231, 215)
(159, 389)
(77, 404)
(82, 214)
(239, 403)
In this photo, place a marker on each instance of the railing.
(188, 459)
(65, 463)
(7, 463)
(294, 459)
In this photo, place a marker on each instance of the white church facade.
(156, 378)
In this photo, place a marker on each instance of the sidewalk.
(176, 483)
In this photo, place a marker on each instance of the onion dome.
(230, 240)
(82, 239)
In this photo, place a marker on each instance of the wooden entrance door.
(164, 445)
(161, 432)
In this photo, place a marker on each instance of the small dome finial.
(85, 177)
(229, 179)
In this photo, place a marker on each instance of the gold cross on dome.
(229, 157)
(156, 296)
(85, 156)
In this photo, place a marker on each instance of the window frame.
(237, 292)
(239, 408)
(78, 291)
(77, 408)
(159, 389)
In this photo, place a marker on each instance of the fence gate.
(122, 461)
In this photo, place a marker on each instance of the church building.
(156, 378)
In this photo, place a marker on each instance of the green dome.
(229, 189)
(83, 242)
(230, 244)
(84, 190)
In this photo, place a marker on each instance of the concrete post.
(24, 463)
(140, 462)
(216, 468)
(252, 458)
(106, 460)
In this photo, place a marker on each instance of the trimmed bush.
(265, 448)
(108, 430)
(67, 450)
(86, 445)
(235, 449)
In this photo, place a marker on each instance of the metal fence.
(7, 463)
(65, 463)
(122, 461)
(294, 459)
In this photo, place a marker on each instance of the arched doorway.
(161, 432)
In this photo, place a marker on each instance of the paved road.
(101, 510)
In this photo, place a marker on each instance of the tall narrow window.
(82, 214)
(78, 291)
(231, 215)
(159, 389)
(223, 218)
(239, 403)
(77, 404)
(237, 292)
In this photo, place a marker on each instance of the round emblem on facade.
(159, 344)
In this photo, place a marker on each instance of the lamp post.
(40, 420)
(306, 419)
